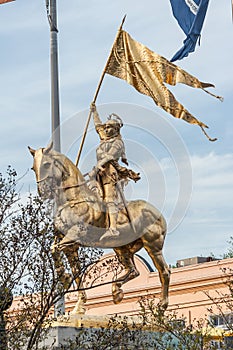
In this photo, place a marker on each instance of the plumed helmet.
(114, 120)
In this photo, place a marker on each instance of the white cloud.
(208, 224)
(213, 180)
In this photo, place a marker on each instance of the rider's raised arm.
(99, 127)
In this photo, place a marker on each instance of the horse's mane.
(73, 171)
(67, 163)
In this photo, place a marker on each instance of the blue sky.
(189, 178)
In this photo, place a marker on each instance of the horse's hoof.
(118, 296)
(78, 310)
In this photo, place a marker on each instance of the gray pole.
(54, 77)
(59, 307)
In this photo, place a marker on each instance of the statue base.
(70, 327)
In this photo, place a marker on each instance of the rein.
(72, 186)
(63, 187)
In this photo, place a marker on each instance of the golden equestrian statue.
(103, 218)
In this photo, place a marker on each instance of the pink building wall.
(186, 294)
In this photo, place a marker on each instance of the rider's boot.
(112, 215)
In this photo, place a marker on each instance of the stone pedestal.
(69, 327)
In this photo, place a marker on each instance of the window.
(222, 321)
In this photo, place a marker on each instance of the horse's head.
(50, 170)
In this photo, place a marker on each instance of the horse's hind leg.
(163, 270)
(125, 256)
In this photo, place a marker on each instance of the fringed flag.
(147, 72)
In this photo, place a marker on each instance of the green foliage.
(27, 267)
(173, 331)
(229, 253)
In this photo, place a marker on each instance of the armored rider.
(107, 169)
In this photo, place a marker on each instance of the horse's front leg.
(64, 277)
(69, 245)
(73, 259)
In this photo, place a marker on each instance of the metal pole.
(54, 77)
(59, 307)
(232, 9)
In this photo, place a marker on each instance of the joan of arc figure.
(108, 171)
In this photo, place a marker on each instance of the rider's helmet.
(115, 121)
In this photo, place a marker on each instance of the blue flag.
(190, 15)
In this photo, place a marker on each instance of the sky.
(187, 177)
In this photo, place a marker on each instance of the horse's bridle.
(63, 187)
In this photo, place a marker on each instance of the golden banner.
(147, 72)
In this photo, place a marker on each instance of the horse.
(80, 219)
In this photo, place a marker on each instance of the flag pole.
(232, 9)
(59, 307)
(55, 110)
(97, 92)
